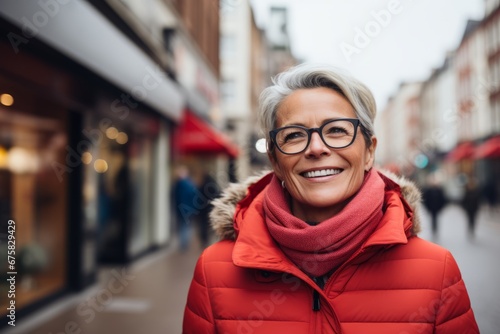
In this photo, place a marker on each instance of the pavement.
(146, 297)
(149, 296)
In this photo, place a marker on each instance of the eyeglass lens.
(335, 134)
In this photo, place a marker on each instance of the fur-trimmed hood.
(222, 214)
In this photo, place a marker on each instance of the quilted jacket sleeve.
(454, 312)
(198, 317)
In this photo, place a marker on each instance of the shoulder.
(418, 264)
(420, 254)
(216, 259)
(220, 251)
(422, 249)
(216, 270)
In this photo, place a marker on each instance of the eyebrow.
(323, 122)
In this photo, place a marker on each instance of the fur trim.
(411, 194)
(222, 214)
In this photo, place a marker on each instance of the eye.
(336, 130)
(291, 135)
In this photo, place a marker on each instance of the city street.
(122, 119)
(149, 296)
(477, 258)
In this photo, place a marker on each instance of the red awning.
(193, 135)
(463, 151)
(489, 149)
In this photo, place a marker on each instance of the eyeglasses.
(338, 133)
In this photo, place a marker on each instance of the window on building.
(227, 47)
(35, 161)
(228, 90)
(496, 116)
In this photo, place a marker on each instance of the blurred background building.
(99, 100)
(448, 125)
(249, 58)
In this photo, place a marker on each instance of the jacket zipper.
(316, 304)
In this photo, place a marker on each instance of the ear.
(370, 154)
(275, 164)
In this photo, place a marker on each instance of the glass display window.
(33, 193)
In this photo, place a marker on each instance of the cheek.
(277, 165)
(361, 158)
(358, 164)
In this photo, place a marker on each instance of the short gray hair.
(306, 76)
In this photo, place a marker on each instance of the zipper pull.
(316, 301)
(316, 298)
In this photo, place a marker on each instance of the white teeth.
(323, 172)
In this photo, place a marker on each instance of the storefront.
(33, 133)
(121, 167)
(196, 136)
(84, 149)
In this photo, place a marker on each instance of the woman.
(325, 243)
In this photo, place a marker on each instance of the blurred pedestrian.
(471, 203)
(324, 243)
(434, 200)
(208, 190)
(490, 195)
(184, 192)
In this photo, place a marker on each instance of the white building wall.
(490, 6)
(445, 132)
(236, 24)
(382, 132)
(235, 63)
(397, 145)
(481, 86)
(438, 98)
(474, 120)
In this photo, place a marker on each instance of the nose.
(316, 146)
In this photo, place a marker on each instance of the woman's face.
(317, 198)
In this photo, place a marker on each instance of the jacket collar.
(237, 215)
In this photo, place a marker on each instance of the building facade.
(250, 56)
(92, 94)
(399, 131)
(459, 114)
(235, 52)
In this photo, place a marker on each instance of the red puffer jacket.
(396, 283)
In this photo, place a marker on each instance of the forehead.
(312, 106)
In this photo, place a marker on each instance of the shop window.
(118, 187)
(33, 193)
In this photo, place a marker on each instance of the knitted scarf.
(322, 248)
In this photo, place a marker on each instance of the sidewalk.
(147, 297)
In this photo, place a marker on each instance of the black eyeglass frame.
(355, 122)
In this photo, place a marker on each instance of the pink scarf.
(322, 248)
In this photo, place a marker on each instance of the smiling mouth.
(322, 172)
